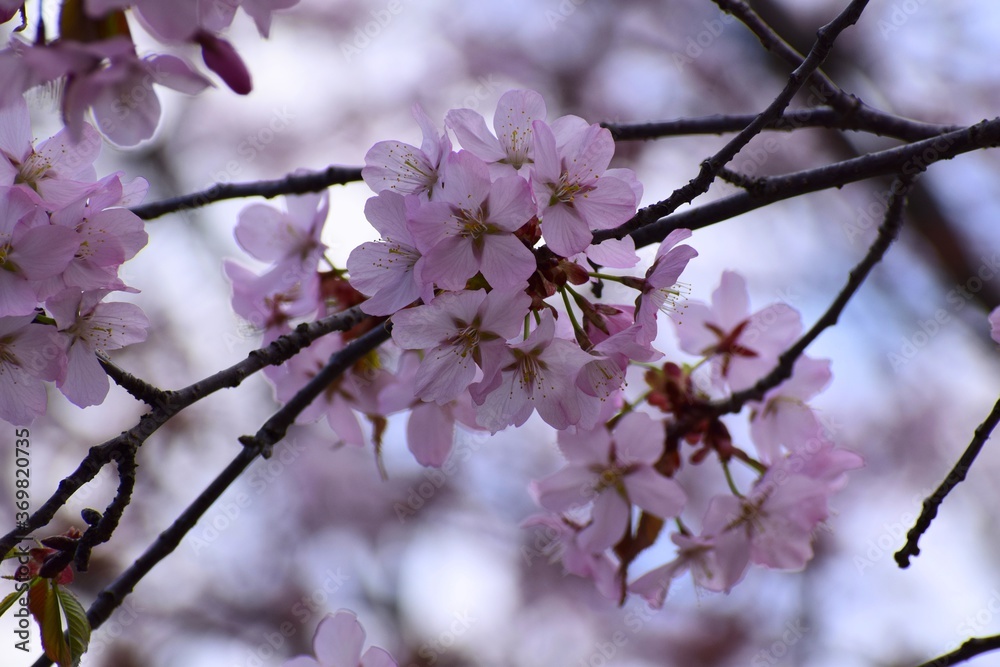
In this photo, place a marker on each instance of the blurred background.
(435, 563)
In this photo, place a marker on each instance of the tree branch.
(954, 478)
(882, 125)
(270, 433)
(293, 184)
(825, 38)
(969, 649)
(910, 160)
(276, 353)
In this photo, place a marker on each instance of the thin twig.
(825, 38)
(293, 184)
(969, 649)
(954, 478)
(138, 388)
(910, 160)
(794, 119)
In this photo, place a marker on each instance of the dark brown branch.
(825, 117)
(293, 184)
(954, 478)
(269, 434)
(825, 38)
(276, 353)
(909, 160)
(138, 388)
(969, 649)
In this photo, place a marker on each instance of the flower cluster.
(96, 60)
(482, 267)
(64, 234)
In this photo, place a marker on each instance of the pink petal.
(338, 640)
(655, 493)
(610, 519)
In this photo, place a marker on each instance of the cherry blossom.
(338, 642)
(389, 271)
(659, 288)
(469, 228)
(89, 326)
(994, 320)
(615, 471)
(31, 250)
(743, 347)
(512, 147)
(291, 240)
(574, 191)
(29, 354)
(784, 418)
(460, 331)
(560, 542)
(538, 373)
(406, 169)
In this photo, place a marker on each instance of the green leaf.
(77, 625)
(9, 601)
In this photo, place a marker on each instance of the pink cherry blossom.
(574, 190)
(470, 227)
(994, 320)
(292, 239)
(338, 642)
(430, 429)
(659, 288)
(31, 250)
(460, 331)
(699, 555)
(58, 172)
(89, 326)
(775, 522)
(784, 418)
(389, 271)
(560, 542)
(29, 354)
(406, 169)
(743, 347)
(512, 147)
(539, 373)
(615, 470)
(270, 301)
(222, 58)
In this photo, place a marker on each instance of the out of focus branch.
(119, 447)
(293, 184)
(270, 433)
(954, 478)
(876, 122)
(825, 37)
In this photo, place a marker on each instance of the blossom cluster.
(64, 234)
(95, 58)
(481, 268)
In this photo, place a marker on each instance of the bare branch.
(954, 478)
(293, 184)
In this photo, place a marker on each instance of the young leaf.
(77, 625)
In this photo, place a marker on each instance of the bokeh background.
(456, 581)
